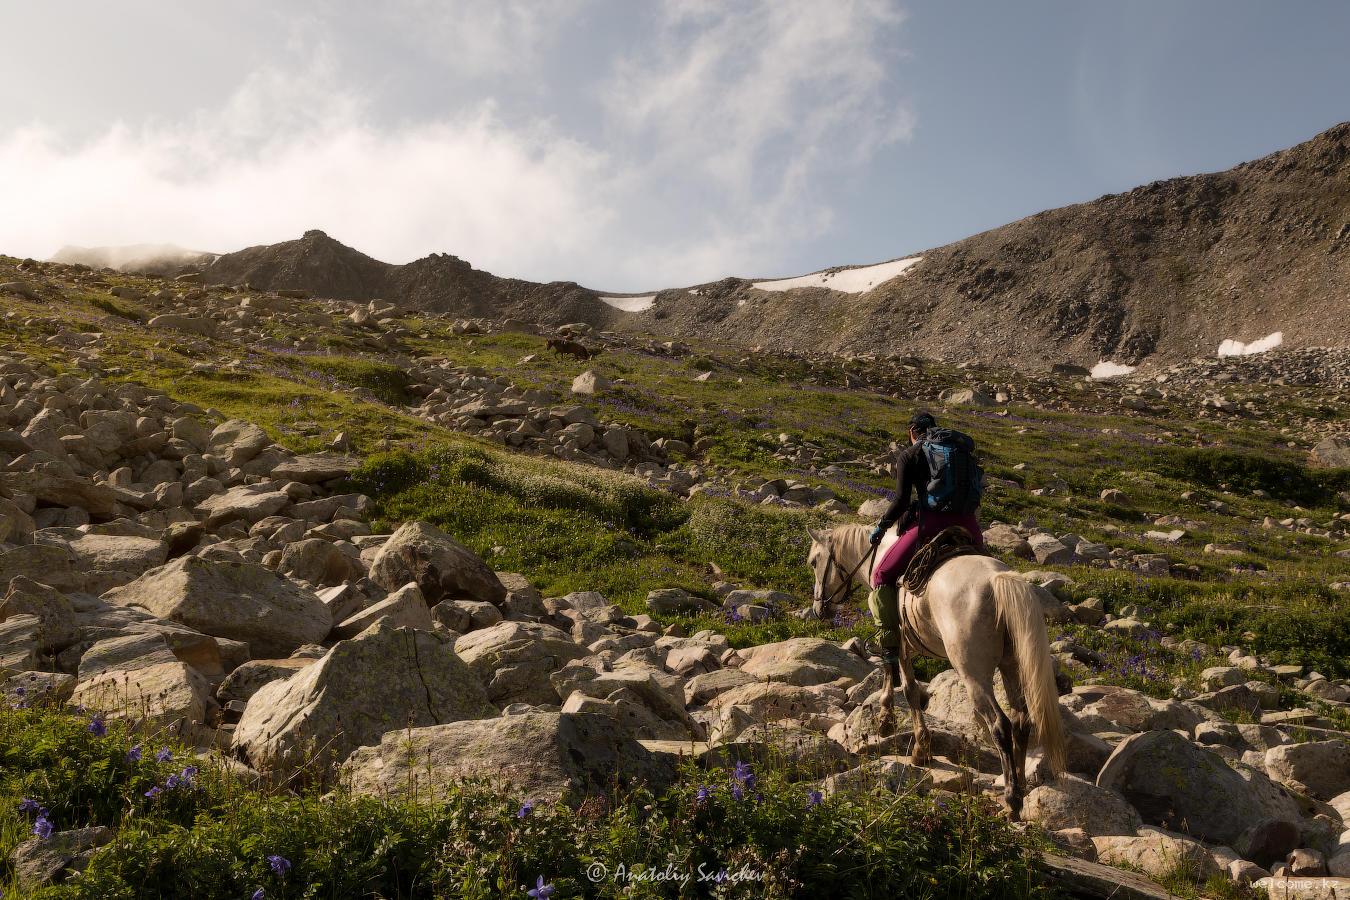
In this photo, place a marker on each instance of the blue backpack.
(956, 482)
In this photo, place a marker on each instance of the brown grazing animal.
(571, 348)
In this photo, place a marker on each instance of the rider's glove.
(875, 537)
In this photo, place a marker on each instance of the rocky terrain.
(347, 546)
(1163, 272)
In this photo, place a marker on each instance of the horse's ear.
(820, 537)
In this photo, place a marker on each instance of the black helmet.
(922, 421)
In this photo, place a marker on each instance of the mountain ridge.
(1169, 270)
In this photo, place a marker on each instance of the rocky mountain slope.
(588, 568)
(1166, 271)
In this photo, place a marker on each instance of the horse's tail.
(1020, 611)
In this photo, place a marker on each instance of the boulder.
(56, 617)
(251, 503)
(199, 325)
(1070, 802)
(442, 567)
(538, 755)
(590, 382)
(237, 600)
(675, 600)
(20, 643)
(1320, 769)
(361, 690)
(51, 565)
(252, 676)
(106, 560)
(38, 862)
(56, 485)
(314, 468)
(514, 659)
(1175, 784)
(803, 662)
(237, 441)
(1156, 854)
(404, 607)
(1332, 452)
(165, 695)
(1005, 540)
(316, 561)
(1048, 551)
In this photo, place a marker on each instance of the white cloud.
(719, 138)
(278, 160)
(765, 100)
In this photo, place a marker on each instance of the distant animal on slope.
(572, 348)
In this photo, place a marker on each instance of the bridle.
(847, 585)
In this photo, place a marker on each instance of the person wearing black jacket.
(917, 525)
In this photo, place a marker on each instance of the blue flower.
(153, 792)
(813, 798)
(188, 774)
(164, 755)
(134, 754)
(28, 804)
(172, 782)
(43, 826)
(703, 794)
(525, 809)
(259, 894)
(280, 865)
(744, 775)
(541, 890)
(736, 793)
(97, 728)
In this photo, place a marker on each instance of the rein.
(847, 586)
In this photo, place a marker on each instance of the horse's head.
(829, 576)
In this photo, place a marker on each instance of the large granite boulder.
(442, 567)
(387, 679)
(1180, 786)
(803, 662)
(237, 600)
(538, 755)
(513, 660)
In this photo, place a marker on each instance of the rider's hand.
(875, 537)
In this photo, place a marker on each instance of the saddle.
(947, 544)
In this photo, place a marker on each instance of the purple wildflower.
(736, 793)
(259, 894)
(43, 826)
(744, 775)
(813, 798)
(153, 792)
(525, 809)
(164, 755)
(541, 890)
(703, 794)
(172, 782)
(134, 754)
(27, 804)
(280, 865)
(97, 728)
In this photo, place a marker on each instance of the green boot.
(884, 602)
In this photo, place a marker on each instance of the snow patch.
(850, 281)
(631, 304)
(1107, 369)
(1231, 347)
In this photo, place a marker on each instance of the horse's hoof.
(886, 724)
(920, 757)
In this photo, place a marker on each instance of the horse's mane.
(850, 544)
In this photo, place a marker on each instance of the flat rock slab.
(313, 468)
(1093, 881)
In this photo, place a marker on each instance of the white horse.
(982, 617)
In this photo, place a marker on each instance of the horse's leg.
(981, 692)
(886, 722)
(1020, 719)
(921, 753)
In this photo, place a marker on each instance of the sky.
(631, 144)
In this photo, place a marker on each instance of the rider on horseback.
(940, 501)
